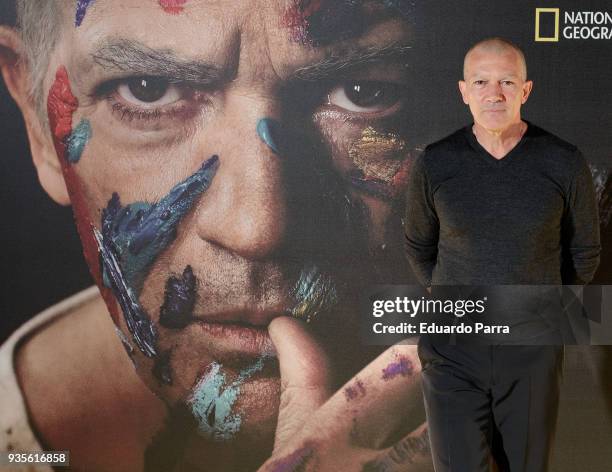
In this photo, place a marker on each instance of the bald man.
(499, 202)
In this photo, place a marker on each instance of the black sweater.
(525, 219)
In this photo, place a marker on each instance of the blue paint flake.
(77, 140)
(212, 401)
(81, 9)
(271, 133)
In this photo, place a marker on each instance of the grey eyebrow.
(338, 62)
(138, 59)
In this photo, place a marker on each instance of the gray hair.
(499, 45)
(39, 22)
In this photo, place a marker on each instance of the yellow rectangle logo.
(546, 11)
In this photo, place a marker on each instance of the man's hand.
(356, 428)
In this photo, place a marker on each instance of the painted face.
(228, 165)
(494, 88)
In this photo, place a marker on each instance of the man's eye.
(479, 82)
(365, 96)
(148, 91)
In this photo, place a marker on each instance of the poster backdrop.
(571, 98)
(568, 46)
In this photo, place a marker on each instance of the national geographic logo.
(552, 24)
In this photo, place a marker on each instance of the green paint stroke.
(212, 401)
(77, 140)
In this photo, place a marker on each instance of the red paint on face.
(174, 7)
(61, 105)
(296, 18)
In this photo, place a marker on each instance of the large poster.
(231, 163)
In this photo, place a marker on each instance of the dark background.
(572, 94)
(41, 260)
(40, 255)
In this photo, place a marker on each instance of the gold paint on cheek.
(378, 155)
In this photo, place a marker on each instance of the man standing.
(498, 202)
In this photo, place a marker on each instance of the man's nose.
(495, 93)
(244, 210)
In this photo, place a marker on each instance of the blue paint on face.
(179, 300)
(81, 9)
(271, 133)
(141, 231)
(77, 141)
(131, 239)
(212, 400)
(136, 318)
(314, 293)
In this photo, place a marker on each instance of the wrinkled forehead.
(284, 34)
(505, 62)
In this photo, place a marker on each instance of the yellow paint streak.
(377, 154)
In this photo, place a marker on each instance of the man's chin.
(231, 399)
(210, 434)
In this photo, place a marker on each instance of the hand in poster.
(355, 428)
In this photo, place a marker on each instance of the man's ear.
(527, 88)
(462, 89)
(16, 74)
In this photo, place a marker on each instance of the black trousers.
(490, 401)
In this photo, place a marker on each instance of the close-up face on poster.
(306, 235)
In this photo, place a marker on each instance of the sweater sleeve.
(421, 224)
(580, 228)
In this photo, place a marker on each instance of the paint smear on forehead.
(213, 399)
(321, 22)
(173, 7)
(81, 10)
(61, 105)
